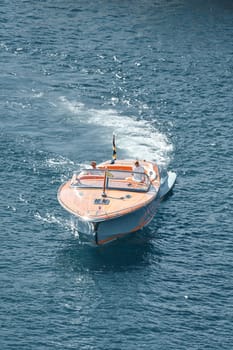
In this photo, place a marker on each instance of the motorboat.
(114, 199)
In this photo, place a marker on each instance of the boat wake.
(69, 225)
(137, 138)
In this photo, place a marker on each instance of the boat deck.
(105, 193)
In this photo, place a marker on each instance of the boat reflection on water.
(131, 252)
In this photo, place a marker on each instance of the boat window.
(111, 179)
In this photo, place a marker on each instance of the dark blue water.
(160, 75)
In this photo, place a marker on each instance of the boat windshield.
(111, 179)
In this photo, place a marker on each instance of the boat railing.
(111, 179)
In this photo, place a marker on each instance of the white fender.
(167, 184)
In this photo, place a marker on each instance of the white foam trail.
(49, 218)
(137, 138)
(61, 161)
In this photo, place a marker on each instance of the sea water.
(158, 74)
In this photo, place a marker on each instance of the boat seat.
(117, 167)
